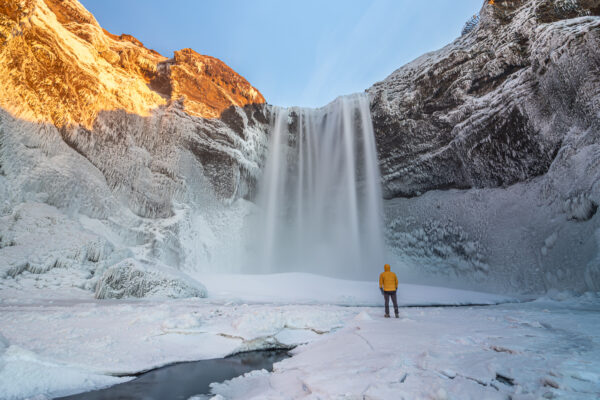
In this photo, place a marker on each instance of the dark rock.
(490, 109)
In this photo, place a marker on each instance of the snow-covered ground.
(299, 288)
(58, 342)
(542, 349)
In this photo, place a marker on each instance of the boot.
(397, 316)
(387, 315)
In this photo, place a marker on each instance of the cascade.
(319, 196)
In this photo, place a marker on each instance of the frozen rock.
(37, 238)
(475, 113)
(131, 278)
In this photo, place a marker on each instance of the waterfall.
(319, 197)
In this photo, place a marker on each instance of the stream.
(184, 380)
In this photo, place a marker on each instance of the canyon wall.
(489, 150)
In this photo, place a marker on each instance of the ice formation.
(133, 279)
(490, 145)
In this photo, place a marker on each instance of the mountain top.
(58, 65)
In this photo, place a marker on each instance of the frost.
(25, 374)
(592, 270)
(434, 239)
(462, 136)
(37, 238)
(550, 240)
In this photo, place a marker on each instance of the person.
(388, 284)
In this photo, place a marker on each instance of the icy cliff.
(108, 150)
(489, 150)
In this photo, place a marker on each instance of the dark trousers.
(387, 296)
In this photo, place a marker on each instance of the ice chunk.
(131, 278)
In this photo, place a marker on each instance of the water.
(183, 380)
(320, 195)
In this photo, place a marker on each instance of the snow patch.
(24, 374)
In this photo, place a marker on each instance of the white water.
(320, 195)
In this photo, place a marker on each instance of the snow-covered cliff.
(111, 152)
(490, 148)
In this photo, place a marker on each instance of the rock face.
(483, 142)
(207, 85)
(492, 108)
(58, 65)
(134, 114)
(127, 146)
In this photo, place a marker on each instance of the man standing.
(388, 284)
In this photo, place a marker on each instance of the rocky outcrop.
(207, 85)
(137, 116)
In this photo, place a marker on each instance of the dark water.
(183, 380)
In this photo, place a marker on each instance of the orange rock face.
(58, 65)
(208, 85)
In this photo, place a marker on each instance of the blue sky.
(302, 53)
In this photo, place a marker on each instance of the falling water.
(320, 195)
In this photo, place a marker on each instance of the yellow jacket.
(388, 281)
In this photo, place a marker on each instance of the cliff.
(58, 65)
(489, 150)
(493, 107)
(109, 150)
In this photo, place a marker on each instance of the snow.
(45, 376)
(103, 338)
(131, 278)
(299, 288)
(544, 349)
(83, 342)
(70, 342)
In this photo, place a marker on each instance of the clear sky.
(303, 53)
